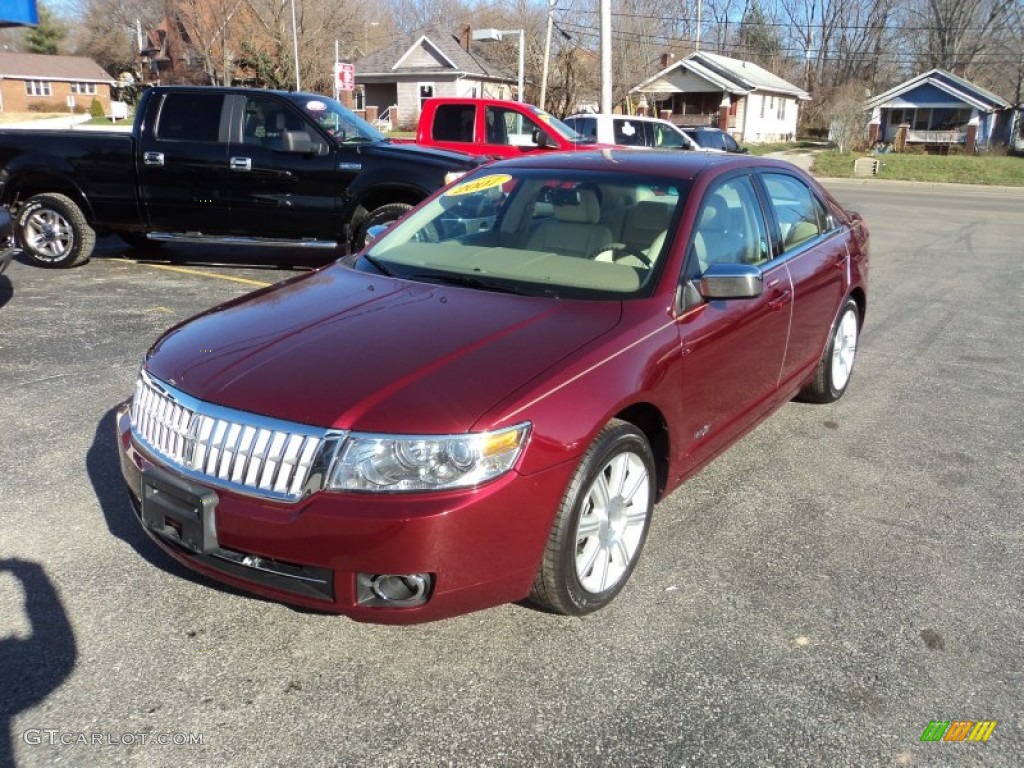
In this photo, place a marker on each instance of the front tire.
(601, 525)
(835, 368)
(385, 214)
(53, 231)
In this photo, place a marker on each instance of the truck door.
(183, 164)
(282, 177)
(509, 132)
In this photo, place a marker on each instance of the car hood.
(340, 348)
(443, 158)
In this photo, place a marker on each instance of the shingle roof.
(472, 62)
(956, 86)
(734, 75)
(38, 66)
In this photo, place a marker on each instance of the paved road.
(840, 578)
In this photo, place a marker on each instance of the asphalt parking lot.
(839, 579)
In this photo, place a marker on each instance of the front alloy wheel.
(601, 526)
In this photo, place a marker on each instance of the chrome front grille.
(232, 449)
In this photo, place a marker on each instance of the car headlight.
(425, 462)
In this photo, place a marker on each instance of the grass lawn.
(959, 169)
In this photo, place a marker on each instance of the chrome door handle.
(240, 163)
(152, 158)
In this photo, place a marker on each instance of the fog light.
(393, 590)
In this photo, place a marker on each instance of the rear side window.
(633, 133)
(190, 117)
(454, 122)
(801, 215)
(584, 126)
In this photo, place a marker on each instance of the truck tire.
(385, 214)
(53, 231)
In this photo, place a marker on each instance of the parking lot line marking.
(232, 278)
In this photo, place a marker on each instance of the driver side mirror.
(543, 140)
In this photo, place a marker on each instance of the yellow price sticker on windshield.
(479, 185)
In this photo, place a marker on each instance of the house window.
(764, 99)
(922, 119)
(782, 109)
(86, 89)
(37, 87)
(359, 97)
(426, 92)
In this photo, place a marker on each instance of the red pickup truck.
(494, 128)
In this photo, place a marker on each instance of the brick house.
(34, 81)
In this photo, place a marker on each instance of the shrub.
(96, 108)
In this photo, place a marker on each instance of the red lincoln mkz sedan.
(489, 404)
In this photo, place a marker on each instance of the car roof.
(649, 162)
(606, 116)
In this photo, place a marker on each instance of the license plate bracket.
(179, 511)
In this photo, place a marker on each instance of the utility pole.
(606, 56)
(547, 55)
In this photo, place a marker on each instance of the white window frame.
(83, 89)
(38, 88)
(419, 93)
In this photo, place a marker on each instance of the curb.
(952, 186)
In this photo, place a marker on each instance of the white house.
(740, 97)
(430, 62)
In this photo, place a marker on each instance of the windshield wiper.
(379, 265)
(359, 140)
(467, 281)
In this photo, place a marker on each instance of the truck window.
(633, 133)
(454, 122)
(190, 117)
(507, 126)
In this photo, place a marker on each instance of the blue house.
(938, 110)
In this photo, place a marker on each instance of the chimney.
(466, 36)
(667, 58)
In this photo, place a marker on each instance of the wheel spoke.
(587, 559)
(589, 525)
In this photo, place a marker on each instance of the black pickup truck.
(204, 164)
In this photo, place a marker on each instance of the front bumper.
(482, 547)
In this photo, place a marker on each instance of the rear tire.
(601, 525)
(53, 231)
(835, 368)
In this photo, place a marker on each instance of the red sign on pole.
(345, 76)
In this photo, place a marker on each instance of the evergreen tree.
(47, 37)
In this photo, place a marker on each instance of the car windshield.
(345, 126)
(561, 128)
(553, 232)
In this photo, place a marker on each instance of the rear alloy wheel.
(836, 365)
(601, 525)
(53, 231)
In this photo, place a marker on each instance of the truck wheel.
(385, 214)
(53, 231)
